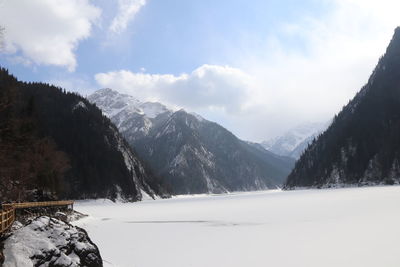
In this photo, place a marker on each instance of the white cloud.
(207, 87)
(272, 88)
(127, 9)
(340, 50)
(46, 32)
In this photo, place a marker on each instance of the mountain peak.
(105, 91)
(393, 51)
(114, 103)
(191, 154)
(396, 35)
(295, 141)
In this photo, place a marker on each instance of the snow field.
(305, 228)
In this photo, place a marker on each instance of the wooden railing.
(26, 205)
(7, 218)
(7, 215)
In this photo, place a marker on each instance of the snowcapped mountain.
(295, 141)
(114, 103)
(122, 108)
(189, 153)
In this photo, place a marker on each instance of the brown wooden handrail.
(7, 215)
(26, 205)
(7, 218)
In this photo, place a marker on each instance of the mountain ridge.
(192, 154)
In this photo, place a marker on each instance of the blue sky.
(256, 67)
(176, 36)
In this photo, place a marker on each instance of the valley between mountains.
(191, 154)
(154, 185)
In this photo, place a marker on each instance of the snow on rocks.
(80, 104)
(50, 242)
(123, 106)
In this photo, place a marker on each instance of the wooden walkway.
(7, 215)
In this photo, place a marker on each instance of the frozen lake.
(339, 227)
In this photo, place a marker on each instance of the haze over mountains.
(190, 153)
(293, 142)
(362, 145)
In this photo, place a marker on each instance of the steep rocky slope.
(188, 152)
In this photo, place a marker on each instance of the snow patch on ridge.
(115, 104)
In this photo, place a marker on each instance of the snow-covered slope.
(296, 140)
(121, 107)
(189, 153)
(127, 113)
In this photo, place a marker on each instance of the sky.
(256, 67)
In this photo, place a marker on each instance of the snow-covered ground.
(306, 228)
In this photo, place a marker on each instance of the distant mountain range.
(58, 145)
(295, 141)
(362, 145)
(189, 153)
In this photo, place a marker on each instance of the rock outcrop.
(49, 242)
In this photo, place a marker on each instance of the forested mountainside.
(55, 144)
(362, 146)
(191, 154)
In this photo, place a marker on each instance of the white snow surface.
(354, 227)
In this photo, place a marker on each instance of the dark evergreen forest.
(55, 144)
(362, 146)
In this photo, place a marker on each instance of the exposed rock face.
(189, 153)
(50, 242)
